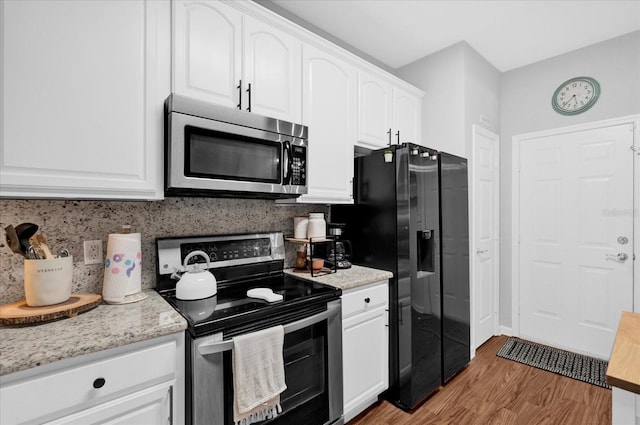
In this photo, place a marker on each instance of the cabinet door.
(329, 109)
(207, 46)
(374, 111)
(272, 65)
(83, 84)
(149, 406)
(365, 359)
(407, 112)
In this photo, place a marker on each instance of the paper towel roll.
(122, 267)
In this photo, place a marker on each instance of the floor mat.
(565, 363)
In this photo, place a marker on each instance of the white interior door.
(576, 237)
(485, 222)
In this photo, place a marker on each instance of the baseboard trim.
(504, 330)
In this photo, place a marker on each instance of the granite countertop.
(346, 279)
(106, 326)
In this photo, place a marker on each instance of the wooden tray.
(19, 313)
(316, 272)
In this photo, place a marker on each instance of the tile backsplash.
(68, 223)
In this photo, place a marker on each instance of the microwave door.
(218, 155)
(204, 155)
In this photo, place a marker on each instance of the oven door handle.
(220, 346)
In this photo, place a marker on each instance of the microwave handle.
(288, 162)
(220, 346)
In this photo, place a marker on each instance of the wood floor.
(493, 390)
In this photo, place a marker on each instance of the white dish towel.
(258, 375)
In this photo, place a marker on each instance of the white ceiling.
(508, 33)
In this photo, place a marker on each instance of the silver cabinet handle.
(481, 251)
(620, 257)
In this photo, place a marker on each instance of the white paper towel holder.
(115, 291)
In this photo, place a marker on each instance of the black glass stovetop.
(230, 311)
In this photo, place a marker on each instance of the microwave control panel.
(298, 166)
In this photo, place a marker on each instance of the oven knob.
(213, 256)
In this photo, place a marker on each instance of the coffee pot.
(340, 253)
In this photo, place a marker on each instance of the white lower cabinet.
(365, 346)
(138, 384)
(150, 406)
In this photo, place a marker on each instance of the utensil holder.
(48, 282)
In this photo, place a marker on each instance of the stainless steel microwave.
(211, 150)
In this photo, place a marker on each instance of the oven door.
(204, 155)
(313, 374)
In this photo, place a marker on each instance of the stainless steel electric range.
(310, 313)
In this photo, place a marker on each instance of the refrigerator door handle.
(400, 313)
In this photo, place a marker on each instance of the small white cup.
(48, 282)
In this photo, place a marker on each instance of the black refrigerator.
(410, 217)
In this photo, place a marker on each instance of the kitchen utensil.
(42, 241)
(25, 231)
(32, 253)
(12, 240)
(196, 284)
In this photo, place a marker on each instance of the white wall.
(462, 89)
(525, 103)
(441, 76)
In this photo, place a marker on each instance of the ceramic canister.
(317, 227)
(300, 224)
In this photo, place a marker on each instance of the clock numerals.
(575, 96)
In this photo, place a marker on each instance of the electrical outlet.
(93, 252)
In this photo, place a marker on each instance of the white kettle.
(196, 284)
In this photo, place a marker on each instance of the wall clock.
(575, 96)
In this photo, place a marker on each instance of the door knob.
(620, 257)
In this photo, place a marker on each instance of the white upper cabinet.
(375, 100)
(272, 66)
(385, 109)
(82, 91)
(329, 110)
(229, 58)
(407, 116)
(207, 51)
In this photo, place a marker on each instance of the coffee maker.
(339, 253)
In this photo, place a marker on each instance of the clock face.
(575, 96)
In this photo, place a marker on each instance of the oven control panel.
(227, 250)
(223, 250)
